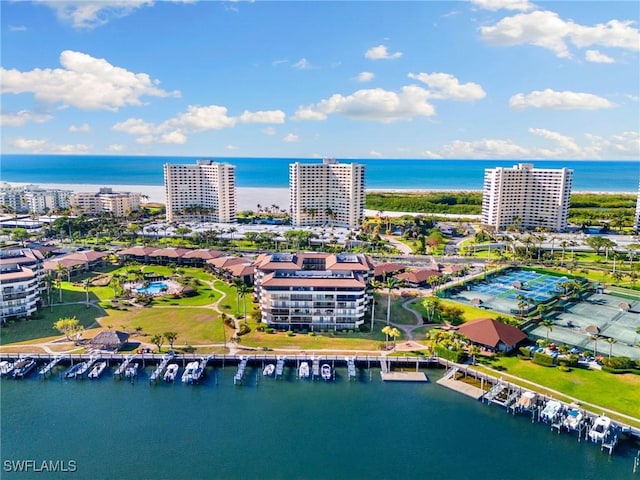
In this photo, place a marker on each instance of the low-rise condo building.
(33, 199)
(526, 197)
(313, 291)
(203, 192)
(120, 204)
(327, 193)
(21, 282)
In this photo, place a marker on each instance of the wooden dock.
(404, 377)
(462, 387)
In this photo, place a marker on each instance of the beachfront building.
(203, 192)
(526, 197)
(120, 204)
(33, 199)
(313, 291)
(21, 282)
(327, 193)
(637, 222)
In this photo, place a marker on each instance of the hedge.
(543, 359)
(453, 355)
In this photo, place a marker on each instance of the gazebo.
(110, 340)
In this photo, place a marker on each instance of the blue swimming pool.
(153, 288)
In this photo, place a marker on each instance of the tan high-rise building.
(120, 204)
(205, 191)
(526, 197)
(327, 193)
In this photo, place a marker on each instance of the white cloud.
(115, 148)
(372, 104)
(446, 86)
(547, 30)
(80, 128)
(302, 64)
(565, 146)
(22, 117)
(17, 28)
(566, 100)
(375, 153)
(597, 57)
(85, 82)
(522, 5)
(269, 116)
(269, 131)
(290, 138)
(231, 147)
(381, 53)
(485, 148)
(624, 145)
(365, 77)
(196, 119)
(94, 14)
(43, 146)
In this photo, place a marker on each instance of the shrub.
(457, 356)
(270, 330)
(543, 359)
(564, 368)
(290, 333)
(244, 329)
(312, 334)
(525, 352)
(618, 362)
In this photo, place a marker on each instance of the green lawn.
(604, 389)
(398, 314)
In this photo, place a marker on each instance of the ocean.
(283, 429)
(591, 176)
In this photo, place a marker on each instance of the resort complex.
(205, 191)
(526, 197)
(327, 193)
(119, 204)
(33, 199)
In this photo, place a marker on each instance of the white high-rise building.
(637, 222)
(22, 278)
(205, 191)
(120, 204)
(526, 197)
(327, 193)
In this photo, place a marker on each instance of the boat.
(97, 370)
(73, 371)
(600, 428)
(527, 401)
(189, 371)
(303, 371)
(325, 372)
(269, 370)
(22, 367)
(5, 368)
(573, 420)
(550, 411)
(172, 371)
(132, 370)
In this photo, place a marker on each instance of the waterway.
(283, 429)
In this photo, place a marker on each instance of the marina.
(171, 373)
(97, 370)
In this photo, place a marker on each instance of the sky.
(485, 79)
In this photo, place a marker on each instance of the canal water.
(282, 429)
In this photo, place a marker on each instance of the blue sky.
(496, 79)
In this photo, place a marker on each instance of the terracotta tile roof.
(87, 255)
(490, 332)
(386, 268)
(418, 276)
(170, 252)
(242, 269)
(203, 253)
(348, 282)
(66, 262)
(23, 273)
(137, 251)
(226, 262)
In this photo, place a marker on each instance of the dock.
(119, 373)
(389, 376)
(315, 368)
(242, 366)
(280, 366)
(46, 370)
(86, 366)
(351, 367)
(159, 371)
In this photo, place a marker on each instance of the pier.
(351, 367)
(315, 368)
(280, 366)
(237, 379)
(159, 371)
(119, 373)
(46, 370)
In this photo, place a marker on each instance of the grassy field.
(593, 386)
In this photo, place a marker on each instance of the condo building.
(33, 199)
(313, 291)
(120, 204)
(205, 192)
(526, 197)
(327, 193)
(21, 282)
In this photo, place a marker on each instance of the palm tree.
(157, 341)
(243, 291)
(474, 351)
(595, 338)
(610, 341)
(548, 324)
(391, 284)
(392, 332)
(375, 285)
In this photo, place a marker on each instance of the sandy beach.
(248, 197)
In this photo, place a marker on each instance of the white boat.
(269, 370)
(550, 411)
(132, 370)
(600, 428)
(573, 419)
(172, 371)
(5, 368)
(527, 401)
(303, 371)
(22, 367)
(189, 371)
(325, 372)
(97, 370)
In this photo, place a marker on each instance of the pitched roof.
(110, 339)
(203, 253)
(87, 255)
(170, 252)
(385, 268)
(226, 262)
(490, 332)
(418, 276)
(137, 251)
